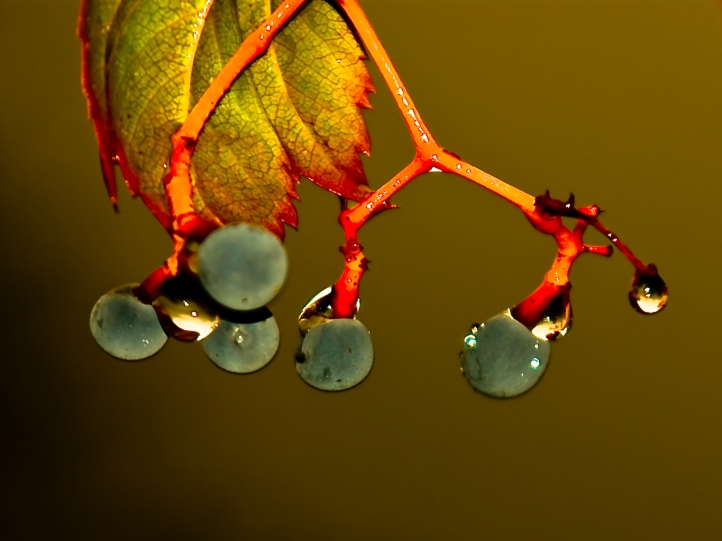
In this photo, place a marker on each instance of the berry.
(244, 342)
(125, 327)
(336, 355)
(502, 358)
(242, 266)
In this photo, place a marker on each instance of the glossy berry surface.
(242, 266)
(125, 327)
(502, 358)
(244, 345)
(336, 355)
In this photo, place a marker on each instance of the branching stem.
(545, 216)
(430, 154)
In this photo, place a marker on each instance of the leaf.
(95, 19)
(295, 111)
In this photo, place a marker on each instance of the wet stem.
(542, 212)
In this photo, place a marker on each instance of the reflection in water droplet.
(470, 340)
(648, 294)
(184, 310)
(318, 311)
(557, 319)
(535, 363)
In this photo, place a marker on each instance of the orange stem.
(178, 182)
(179, 188)
(430, 154)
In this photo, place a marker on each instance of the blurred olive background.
(617, 101)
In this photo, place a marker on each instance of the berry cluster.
(219, 298)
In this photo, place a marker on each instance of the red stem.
(179, 188)
(428, 154)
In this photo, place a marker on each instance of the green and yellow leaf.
(295, 111)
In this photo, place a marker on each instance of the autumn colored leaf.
(294, 112)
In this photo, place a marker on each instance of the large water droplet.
(557, 319)
(648, 294)
(505, 359)
(184, 310)
(318, 311)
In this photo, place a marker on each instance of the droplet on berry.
(557, 319)
(184, 310)
(242, 266)
(648, 294)
(125, 327)
(336, 355)
(244, 341)
(318, 311)
(503, 358)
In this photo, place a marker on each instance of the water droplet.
(184, 310)
(557, 319)
(318, 311)
(535, 363)
(475, 327)
(648, 294)
(470, 340)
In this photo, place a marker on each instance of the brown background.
(618, 101)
